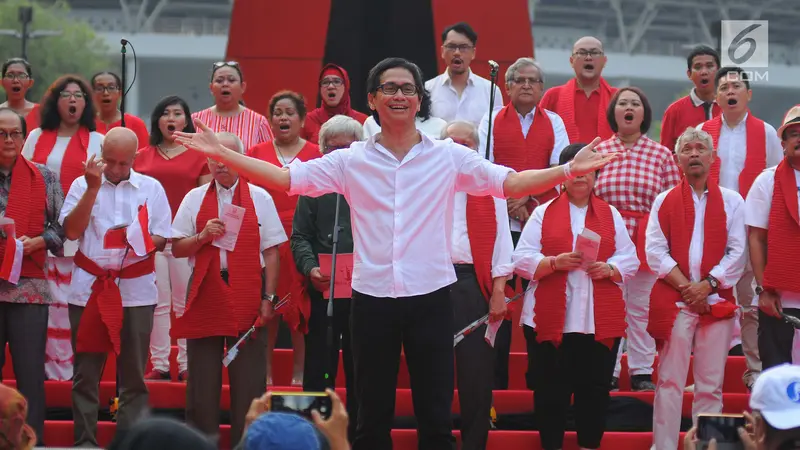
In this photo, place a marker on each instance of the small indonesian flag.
(138, 234)
(12, 258)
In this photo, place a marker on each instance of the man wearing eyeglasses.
(31, 196)
(459, 94)
(583, 100)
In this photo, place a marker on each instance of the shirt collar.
(697, 101)
(739, 125)
(221, 188)
(425, 143)
(530, 114)
(470, 78)
(134, 179)
(619, 142)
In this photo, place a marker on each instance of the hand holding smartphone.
(724, 428)
(301, 403)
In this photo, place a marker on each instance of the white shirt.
(732, 151)
(757, 208)
(460, 250)
(117, 205)
(471, 105)
(559, 133)
(580, 288)
(270, 229)
(433, 127)
(402, 212)
(729, 269)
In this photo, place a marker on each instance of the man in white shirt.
(481, 253)
(774, 236)
(113, 294)
(400, 186)
(578, 306)
(692, 306)
(459, 94)
(224, 294)
(745, 146)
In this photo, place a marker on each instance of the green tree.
(77, 50)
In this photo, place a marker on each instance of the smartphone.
(301, 403)
(722, 427)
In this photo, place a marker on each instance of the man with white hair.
(230, 235)
(312, 236)
(695, 244)
(480, 248)
(120, 218)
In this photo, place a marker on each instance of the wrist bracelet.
(568, 170)
(553, 263)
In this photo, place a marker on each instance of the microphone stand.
(493, 71)
(334, 250)
(122, 102)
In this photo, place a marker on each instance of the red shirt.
(134, 123)
(681, 115)
(32, 119)
(587, 110)
(178, 175)
(284, 203)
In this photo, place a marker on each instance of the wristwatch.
(272, 298)
(759, 290)
(713, 282)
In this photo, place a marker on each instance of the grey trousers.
(23, 327)
(137, 324)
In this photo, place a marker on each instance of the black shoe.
(642, 383)
(614, 384)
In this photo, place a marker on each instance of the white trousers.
(745, 293)
(710, 343)
(172, 281)
(58, 352)
(641, 347)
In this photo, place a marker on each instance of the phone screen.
(301, 403)
(722, 427)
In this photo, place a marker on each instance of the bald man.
(583, 100)
(120, 218)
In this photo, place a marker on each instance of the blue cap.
(281, 431)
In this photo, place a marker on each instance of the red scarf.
(482, 232)
(213, 307)
(784, 228)
(27, 203)
(676, 217)
(74, 156)
(566, 109)
(512, 149)
(101, 321)
(756, 160)
(551, 294)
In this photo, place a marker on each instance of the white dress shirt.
(117, 205)
(580, 288)
(559, 133)
(402, 211)
(729, 269)
(757, 208)
(471, 105)
(433, 127)
(460, 250)
(270, 230)
(732, 151)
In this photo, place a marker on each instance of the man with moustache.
(699, 106)
(774, 236)
(745, 146)
(583, 100)
(459, 94)
(113, 292)
(695, 244)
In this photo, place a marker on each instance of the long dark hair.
(374, 79)
(155, 131)
(50, 119)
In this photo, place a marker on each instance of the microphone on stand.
(494, 69)
(123, 51)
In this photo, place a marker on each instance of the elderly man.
(30, 194)
(225, 292)
(695, 243)
(480, 248)
(312, 236)
(109, 211)
(774, 236)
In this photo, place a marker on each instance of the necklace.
(165, 151)
(281, 157)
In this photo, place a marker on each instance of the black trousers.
(423, 326)
(579, 367)
(775, 339)
(319, 355)
(24, 328)
(502, 341)
(474, 360)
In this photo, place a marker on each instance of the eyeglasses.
(110, 89)
(220, 64)
(522, 81)
(407, 89)
(17, 76)
(14, 135)
(77, 95)
(331, 82)
(462, 48)
(585, 53)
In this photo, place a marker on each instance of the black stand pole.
(335, 247)
(124, 76)
(494, 69)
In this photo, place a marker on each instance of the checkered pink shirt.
(251, 127)
(632, 183)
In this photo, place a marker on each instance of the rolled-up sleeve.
(502, 265)
(476, 175)
(528, 254)
(319, 176)
(656, 245)
(624, 258)
(74, 195)
(732, 265)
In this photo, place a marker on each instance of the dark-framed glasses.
(522, 81)
(13, 134)
(77, 95)
(408, 89)
(110, 89)
(585, 53)
(336, 81)
(462, 47)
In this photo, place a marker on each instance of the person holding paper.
(573, 315)
(312, 244)
(230, 235)
(110, 211)
(400, 186)
(480, 248)
(695, 244)
(30, 196)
